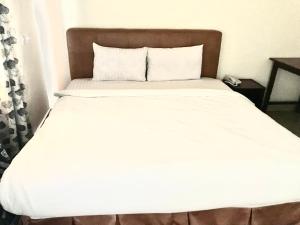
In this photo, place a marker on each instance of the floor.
(287, 118)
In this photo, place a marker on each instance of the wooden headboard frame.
(81, 51)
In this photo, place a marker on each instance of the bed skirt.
(285, 214)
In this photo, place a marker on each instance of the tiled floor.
(288, 119)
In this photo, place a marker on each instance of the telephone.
(232, 80)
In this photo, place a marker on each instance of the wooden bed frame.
(81, 49)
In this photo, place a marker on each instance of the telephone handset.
(232, 80)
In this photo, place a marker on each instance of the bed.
(133, 153)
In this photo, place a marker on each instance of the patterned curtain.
(15, 129)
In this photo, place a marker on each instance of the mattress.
(152, 151)
(203, 83)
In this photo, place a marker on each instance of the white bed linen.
(135, 152)
(119, 63)
(203, 83)
(183, 63)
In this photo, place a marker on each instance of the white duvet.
(152, 151)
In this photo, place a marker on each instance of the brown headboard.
(81, 51)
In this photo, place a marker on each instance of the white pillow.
(119, 64)
(183, 63)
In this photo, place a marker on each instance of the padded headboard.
(81, 55)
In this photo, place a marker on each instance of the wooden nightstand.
(252, 90)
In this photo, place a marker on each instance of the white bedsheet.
(203, 83)
(136, 152)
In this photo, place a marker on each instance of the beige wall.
(252, 30)
(52, 42)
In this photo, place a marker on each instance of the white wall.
(28, 52)
(52, 42)
(252, 30)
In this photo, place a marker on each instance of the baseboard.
(284, 103)
(282, 106)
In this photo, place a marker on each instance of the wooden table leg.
(270, 86)
(298, 106)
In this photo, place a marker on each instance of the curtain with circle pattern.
(15, 128)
